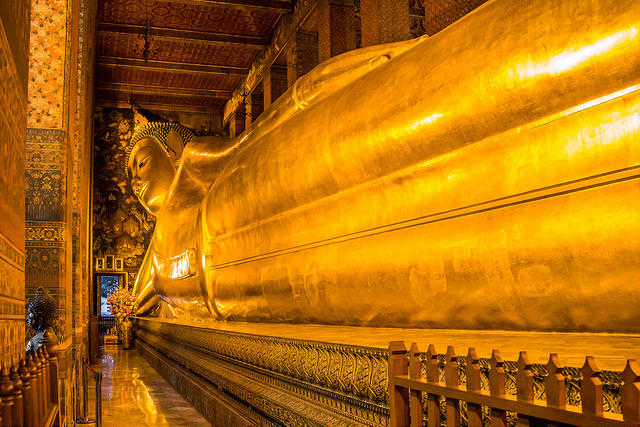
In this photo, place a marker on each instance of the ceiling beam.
(276, 6)
(163, 91)
(172, 34)
(161, 107)
(179, 67)
(282, 35)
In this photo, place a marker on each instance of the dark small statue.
(41, 312)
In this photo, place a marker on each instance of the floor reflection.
(134, 394)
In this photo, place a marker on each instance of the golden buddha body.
(486, 177)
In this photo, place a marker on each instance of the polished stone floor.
(609, 350)
(133, 394)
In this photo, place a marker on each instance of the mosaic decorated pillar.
(302, 55)
(384, 21)
(14, 59)
(336, 28)
(58, 159)
(49, 163)
(439, 14)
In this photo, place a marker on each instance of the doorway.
(105, 284)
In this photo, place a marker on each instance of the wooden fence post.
(631, 392)
(35, 385)
(27, 393)
(40, 389)
(50, 348)
(497, 388)
(415, 396)
(6, 394)
(433, 400)
(45, 383)
(556, 394)
(474, 412)
(18, 408)
(451, 379)
(524, 387)
(398, 396)
(591, 387)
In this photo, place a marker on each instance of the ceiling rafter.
(276, 6)
(178, 67)
(161, 107)
(201, 37)
(282, 35)
(163, 91)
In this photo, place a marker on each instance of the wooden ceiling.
(199, 51)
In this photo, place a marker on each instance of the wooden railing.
(29, 392)
(407, 389)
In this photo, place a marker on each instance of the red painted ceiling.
(204, 45)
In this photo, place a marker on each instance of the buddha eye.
(143, 162)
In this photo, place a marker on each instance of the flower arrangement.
(122, 302)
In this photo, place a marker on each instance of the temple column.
(257, 105)
(302, 55)
(232, 126)
(58, 170)
(278, 82)
(384, 21)
(237, 122)
(439, 14)
(336, 28)
(248, 111)
(266, 88)
(292, 72)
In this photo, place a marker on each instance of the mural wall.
(121, 226)
(14, 55)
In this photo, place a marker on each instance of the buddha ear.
(175, 144)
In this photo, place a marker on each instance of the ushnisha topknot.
(158, 131)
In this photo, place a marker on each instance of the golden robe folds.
(486, 177)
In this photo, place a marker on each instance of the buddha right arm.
(205, 157)
(147, 297)
(323, 80)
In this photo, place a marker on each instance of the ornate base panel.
(214, 404)
(297, 382)
(292, 382)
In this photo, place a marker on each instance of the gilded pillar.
(58, 159)
(257, 105)
(278, 82)
(237, 122)
(266, 88)
(292, 72)
(248, 111)
(232, 126)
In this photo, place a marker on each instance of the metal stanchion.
(85, 395)
(98, 377)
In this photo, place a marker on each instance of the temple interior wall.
(65, 201)
(14, 57)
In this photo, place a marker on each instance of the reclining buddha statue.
(485, 177)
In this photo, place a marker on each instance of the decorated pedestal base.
(126, 328)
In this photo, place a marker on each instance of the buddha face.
(152, 171)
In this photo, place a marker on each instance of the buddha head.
(152, 155)
(41, 310)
